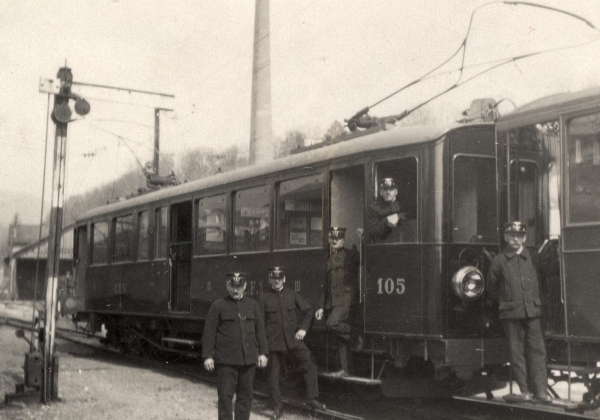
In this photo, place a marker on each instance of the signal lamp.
(468, 283)
(82, 107)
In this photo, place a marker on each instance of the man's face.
(515, 240)
(336, 243)
(276, 283)
(236, 292)
(388, 194)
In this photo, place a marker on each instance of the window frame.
(233, 216)
(452, 216)
(227, 224)
(277, 214)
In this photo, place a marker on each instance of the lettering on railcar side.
(389, 286)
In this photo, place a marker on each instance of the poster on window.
(298, 223)
(214, 234)
(316, 223)
(297, 238)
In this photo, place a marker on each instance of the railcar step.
(584, 369)
(353, 379)
(187, 341)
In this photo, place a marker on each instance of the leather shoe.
(277, 413)
(518, 398)
(340, 374)
(316, 404)
(544, 397)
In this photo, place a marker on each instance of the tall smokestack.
(261, 143)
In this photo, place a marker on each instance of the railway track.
(341, 398)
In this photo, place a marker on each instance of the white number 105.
(389, 286)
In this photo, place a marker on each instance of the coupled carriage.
(148, 268)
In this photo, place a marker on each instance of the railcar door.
(581, 229)
(346, 206)
(180, 254)
(531, 196)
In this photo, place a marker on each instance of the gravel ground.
(93, 385)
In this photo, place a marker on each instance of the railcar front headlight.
(468, 283)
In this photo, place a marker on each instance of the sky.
(329, 59)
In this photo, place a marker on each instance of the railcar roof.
(550, 108)
(396, 136)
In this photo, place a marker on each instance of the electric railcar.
(149, 267)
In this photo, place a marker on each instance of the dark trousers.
(337, 318)
(527, 354)
(301, 355)
(234, 379)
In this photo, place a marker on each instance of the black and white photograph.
(300, 209)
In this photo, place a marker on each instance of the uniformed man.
(285, 335)
(385, 216)
(513, 281)
(234, 342)
(338, 293)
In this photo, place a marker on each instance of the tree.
(335, 130)
(293, 140)
(421, 116)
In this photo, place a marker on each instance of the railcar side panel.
(393, 291)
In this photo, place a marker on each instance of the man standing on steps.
(513, 281)
(337, 294)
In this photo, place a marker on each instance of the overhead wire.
(463, 47)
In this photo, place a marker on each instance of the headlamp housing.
(468, 283)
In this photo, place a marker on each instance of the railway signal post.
(61, 116)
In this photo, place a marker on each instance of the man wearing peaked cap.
(338, 294)
(285, 335)
(513, 281)
(234, 343)
(385, 215)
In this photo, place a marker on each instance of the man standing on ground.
(285, 335)
(234, 342)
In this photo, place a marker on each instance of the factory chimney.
(261, 142)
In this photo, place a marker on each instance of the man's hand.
(319, 314)
(209, 364)
(300, 335)
(393, 219)
(262, 361)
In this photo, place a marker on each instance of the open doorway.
(347, 201)
(181, 256)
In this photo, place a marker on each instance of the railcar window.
(100, 243)
(160, 240)
(404, 171)
(474, 198)
(211, 225)
(123, 238)
(524, 195)
(583, 163)
(143, 236)
(252, 219)
(300, 213)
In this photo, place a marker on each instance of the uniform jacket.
(281, 323)
(513, 281)
(377, 225)
(234, 332)
(341, 279)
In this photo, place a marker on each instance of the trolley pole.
(61, 115)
